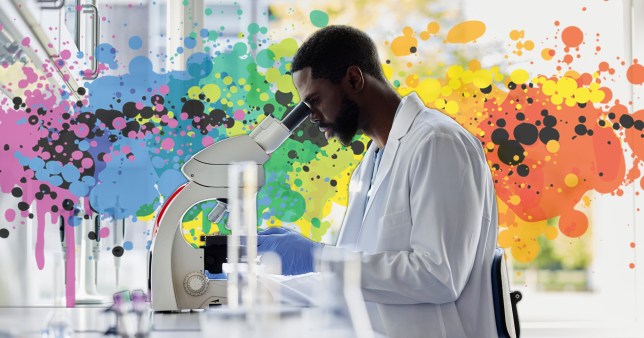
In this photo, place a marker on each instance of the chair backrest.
(505, 301)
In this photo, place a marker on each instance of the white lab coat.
(428, 234)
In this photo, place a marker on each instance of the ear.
(355, 78)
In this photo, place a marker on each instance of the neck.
(381, 110)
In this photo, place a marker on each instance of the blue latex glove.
(296, 251)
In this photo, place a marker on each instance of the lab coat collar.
(411, 105)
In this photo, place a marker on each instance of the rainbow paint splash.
(549, 139)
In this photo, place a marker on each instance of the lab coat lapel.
(358, 194)
(411, 106)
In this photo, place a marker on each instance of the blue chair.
(505, 301)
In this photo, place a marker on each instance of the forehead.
(307, 86)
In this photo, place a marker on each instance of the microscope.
(176, 277)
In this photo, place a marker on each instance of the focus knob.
(195, 283)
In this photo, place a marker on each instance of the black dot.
(582, 119)
(549, 121)
(523, 170)
(601, 174)
(626, 121)
(581, 105)
(333, 183)
(17, 101)
(54, 208)
(611, 115)
(16, 192)
(511, 152)
(526, 133)
(91, 235)
(23, 206)
(500, 135)
(520, 116)
(68, 204)
(589, 132)
(292, 154)
(305, 168)
(580, 129)
(117, 251)
(357, 147)
(33, 120)
(616, 126)
(40, 195)
(4, 233)
(512, 85)
(544, 112)
(413, 49)
(486, 90)
(500, 123)
(639, 125)
(601, 123)
(547, 134)
(530, 100)
(81, 91)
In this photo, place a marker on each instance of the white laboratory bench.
(92, 322)
(19, 322)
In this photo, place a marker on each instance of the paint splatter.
(549, 139)
(466, 31)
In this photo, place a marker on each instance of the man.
(422, 208)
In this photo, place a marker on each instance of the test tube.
(242, 279)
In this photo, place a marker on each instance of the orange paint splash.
(572, 36)
(405, 44)
(466, 31)
(635, 73)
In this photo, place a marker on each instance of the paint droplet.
(167, 144)
(10, 215)
(466, 31)
(635, 73)
(104, 232)
(571, 180)
(519, 76)
(552, 146)
(573, 223)
(632, 244)
(117, 251)
(403, 45)
(514, 200)
(632, 265)
(319, 18)
(572, 36)
(4, 233)
(135, 42)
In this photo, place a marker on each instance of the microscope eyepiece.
(296, 116)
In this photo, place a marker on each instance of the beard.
(346, 125)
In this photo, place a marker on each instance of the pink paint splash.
(167, 144)
(10, 215)
(104, 232)
(31, 77)
(70, 271)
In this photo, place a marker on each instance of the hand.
(296, 251)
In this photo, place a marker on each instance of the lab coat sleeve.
(447, 186)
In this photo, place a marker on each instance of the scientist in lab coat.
(422, 208)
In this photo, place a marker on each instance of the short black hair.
(331, 50)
